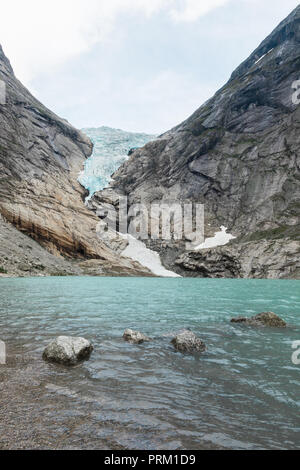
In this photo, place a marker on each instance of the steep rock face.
(238, 154)
(41, 156)
(263, 259)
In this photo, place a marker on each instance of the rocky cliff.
(238, 154)
(41, 156)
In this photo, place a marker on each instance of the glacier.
(111, 147)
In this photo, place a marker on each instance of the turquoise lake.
(243, 393)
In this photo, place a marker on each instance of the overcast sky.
(138, 65)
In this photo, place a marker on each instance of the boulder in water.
(269, 319)
(68, 350)
(135, 337)
(187, 341)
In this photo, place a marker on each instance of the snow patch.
(261, 58)
(138, 251)
(220, 239)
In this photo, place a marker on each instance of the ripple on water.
(242, 393)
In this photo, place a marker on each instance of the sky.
(137, 65)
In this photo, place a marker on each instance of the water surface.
(243, 393)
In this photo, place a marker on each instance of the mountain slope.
(41, 156)
(239, 155)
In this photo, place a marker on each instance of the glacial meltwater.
(243, 393)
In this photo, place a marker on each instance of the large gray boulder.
(187, 341)
(269, 319)
(68, 350)
(135, 337)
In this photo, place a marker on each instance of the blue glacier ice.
(111, 147)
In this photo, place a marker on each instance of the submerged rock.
(68, 350)
(187, 341)
(262, 319)
(135, 337)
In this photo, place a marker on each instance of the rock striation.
(238, 154)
